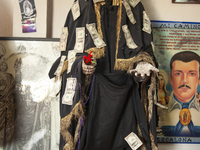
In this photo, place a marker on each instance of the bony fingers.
(148, 73)
(154, 69)
(132, 70)
(90, 67)
(142, 75)
(87, 71)
(136, 74)
(157, 70)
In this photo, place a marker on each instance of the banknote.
(129, 40)
(98, 42)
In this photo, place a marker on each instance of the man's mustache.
(184, 85)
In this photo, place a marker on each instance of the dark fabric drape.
(114, 109)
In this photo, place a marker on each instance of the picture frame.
(174, 43)
(29, 107)
(186, 1)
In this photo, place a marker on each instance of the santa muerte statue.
(109, 75)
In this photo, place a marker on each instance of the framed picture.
(29, 108)
(186, 1)
(176, 49)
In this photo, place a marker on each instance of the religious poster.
(28, 15)
(186, 1)
(177, 49)
(29, 107)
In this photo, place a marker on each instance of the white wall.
(60, 11)
(10, 16)
(165, 10)
(6, 18)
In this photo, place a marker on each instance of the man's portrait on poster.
(183, 107)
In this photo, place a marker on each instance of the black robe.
(114, 108)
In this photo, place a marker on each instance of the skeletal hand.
(88, 69)
(143, 68)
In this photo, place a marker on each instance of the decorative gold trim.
(98, 17)
(150, 107)
(143, 147)
(76, 136)
(116, 2)
(76, 113)
(144, 96)
(65, 66)
(123, 64)
(118, 28)
(56, 78)
(70, 144)
(150, 94)
(153, 145)
(98, 52)
(142, 56)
